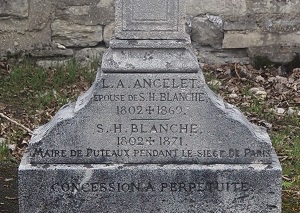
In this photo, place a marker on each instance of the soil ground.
(8, 187)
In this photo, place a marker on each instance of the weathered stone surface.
(269, 6)
(143, 125)
(16, 8)
(42, 15)
(150, 188)
(238, 39)
(221, 56)
(26, 41)
(108, 33)
(141, 19)
(87, 12)
(154, 59)
(287, 24)
(48, 63)
(71, 35)
(224, 7)
(51, 52)
(87, 56)
(245, 25)
(205, 32)
(242, 39)
(22, 20)
(29, 33)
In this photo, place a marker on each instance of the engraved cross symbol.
(150, 110)
(150, 140)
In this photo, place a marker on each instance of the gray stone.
(216, 20)
(41, 15)
(266, 6)
(109, 31)
(28, 23)
(52, 53)
(224, 7)
(205, 32)
(158, 19)
(208, 58)
(87, 56)
(28, 32)
(71, 35)
(244, 25)
(246, 39)
(48, 63)
(86, 12)
(16, 8)
(25, 40)
(257, 39)
(150, 44)
(155, 188)
(149, 60)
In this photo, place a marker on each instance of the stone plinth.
(155, 188)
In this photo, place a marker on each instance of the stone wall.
(53, 31)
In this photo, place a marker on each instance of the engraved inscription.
(157, 110)
(159, 83)
(148, 187)
(163, 152)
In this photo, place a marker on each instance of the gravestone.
(149, 135)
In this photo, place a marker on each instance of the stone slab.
(217, 7)
(150, 188)
(258, 39)
(150, 118)
(16, 8)
(86, 12)
(150, 56)
(75, 35)
(269, 7)
(150, 60)
(150, 44)
(156, 19)
(206, 33)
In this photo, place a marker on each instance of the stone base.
(150, 188)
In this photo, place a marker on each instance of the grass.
(31, 95)
(34, 87)
(4, 152)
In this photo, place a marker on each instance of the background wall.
(53, 31)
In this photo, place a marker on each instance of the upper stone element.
(155, 19)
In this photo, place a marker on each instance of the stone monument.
(149, 135)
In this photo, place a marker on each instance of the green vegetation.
(261, 62)
(35, 88)
(31, 95)
(4, 152)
